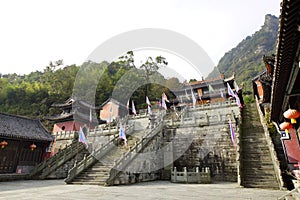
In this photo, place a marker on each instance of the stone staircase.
(45, 168)
(257, 167)
(99, 172)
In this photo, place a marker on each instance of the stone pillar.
(168, 158)
(185, 175)
(175, 174)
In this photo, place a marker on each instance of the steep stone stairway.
(45, 168)
(99, 172)
(257, 167)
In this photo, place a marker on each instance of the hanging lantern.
(3, 144)
(292, 114)
(285, 126)
(32, 146)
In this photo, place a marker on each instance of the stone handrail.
(294, 191)
(209, 106)
(120, 165)
(52, 161)
(191, 177)
(89, 160)
(64, 135)
(94, 157)
(200, 119)
(68, 155)
(271, 148)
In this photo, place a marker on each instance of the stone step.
(258, 141)
(256, 157)
(262, 185)
(257, 166)
(100, 171)
(260, 176)
(95, 174)
(88, 183)
(89, 180)
(253, 146)
(262, 149)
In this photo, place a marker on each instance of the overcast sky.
(34, 32)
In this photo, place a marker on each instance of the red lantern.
(285, 126)
(3, 144)
(292, 114)
(32, 146)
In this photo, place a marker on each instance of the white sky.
(34, 32)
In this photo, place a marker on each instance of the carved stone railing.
(128, 157)
(64, 135)
(43, 169)
(191, 177)
(294, 193)
(95, 156)
(271, 147)
(200, 119)
(214, 105)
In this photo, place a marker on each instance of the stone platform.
(57, 189)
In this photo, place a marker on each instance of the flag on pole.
(211, 89)
(230, 92)
(232, 134)
(149, 110)
(90, 115)
(236, 86)
(110, 114)
(133, 108)
(163, 103)
(122, 134)
(127, 105)
(238, 102)
(193, 98)
(237, 99)
(186, 95)
(165, 97)
(147, 101)
(53, 146)
(222, 95)
(82, 138)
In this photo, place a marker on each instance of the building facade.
(24, 142)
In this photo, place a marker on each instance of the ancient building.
(74, 114)
(24, 142)
(285, 96)
(206, 91)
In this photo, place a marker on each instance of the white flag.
(133, 108)
(193, 98)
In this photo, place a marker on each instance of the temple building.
(285, 97)
(74, 114)
(208, 91)
(111, 109)
(262, 83)
(24, 142)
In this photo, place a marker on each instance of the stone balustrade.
(191, 177)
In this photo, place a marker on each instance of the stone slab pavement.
(57, 189)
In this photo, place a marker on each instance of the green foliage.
(32, 95)
(248, 99)
(245, 60)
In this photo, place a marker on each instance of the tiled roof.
(287, 53)
(17, 127)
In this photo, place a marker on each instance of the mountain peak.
(245, 60)
(271, 23)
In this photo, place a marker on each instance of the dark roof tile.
(14, 126)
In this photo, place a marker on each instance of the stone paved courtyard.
(57, 189)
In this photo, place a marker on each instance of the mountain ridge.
(245, 60)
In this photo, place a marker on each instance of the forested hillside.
(32, 95)
(245, 60)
